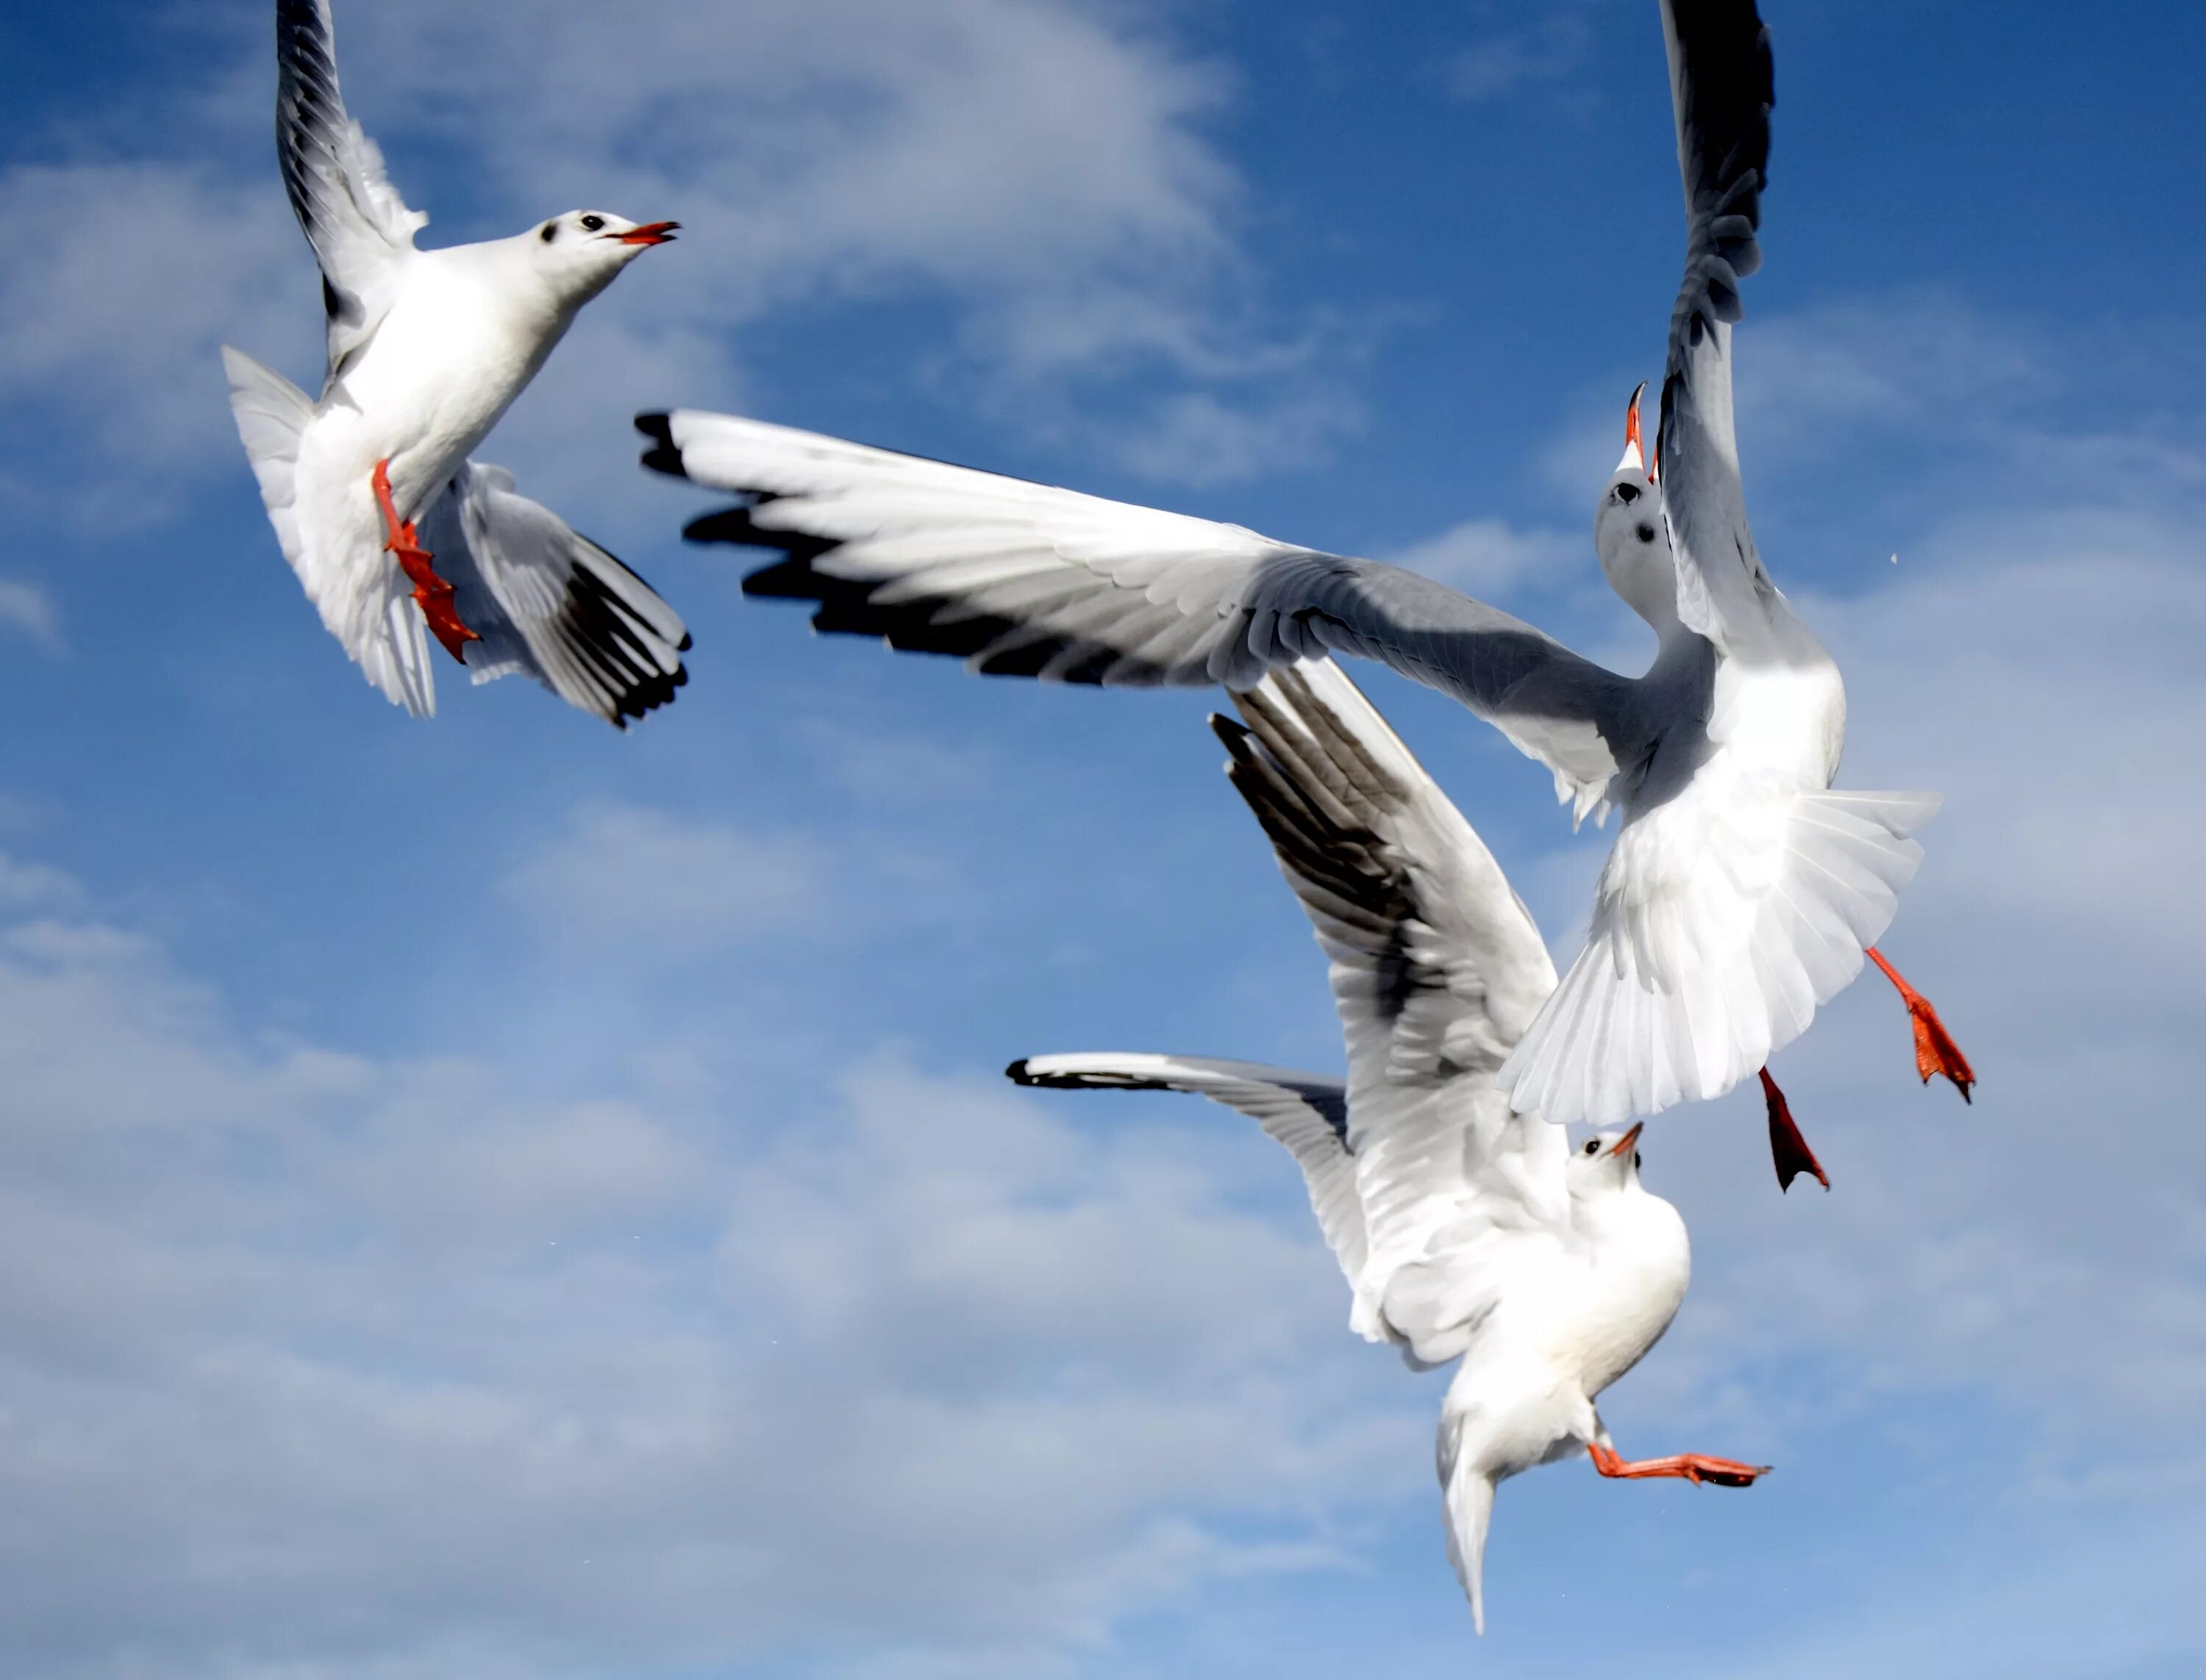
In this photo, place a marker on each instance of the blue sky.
(498, 1198)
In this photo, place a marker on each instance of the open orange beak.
(650, 233)
(1635, 458)
(1623, 1145)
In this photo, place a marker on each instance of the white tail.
(390, 647)
(1467, 1492)
(1714, 938)
(270, 412)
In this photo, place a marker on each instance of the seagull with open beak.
(392, 529)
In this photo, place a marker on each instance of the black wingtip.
(663, 455)
(1017, 1073)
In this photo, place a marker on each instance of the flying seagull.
(369, 485)
(1467, 1230)
(1741, 891)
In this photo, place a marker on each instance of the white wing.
(551, 604)
(1722, 87)
(362, 231)
(1308, 1113)
(1022, 579)
(1437, 969)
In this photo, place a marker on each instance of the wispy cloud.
(1544, 50)
(29, 610)
(628, 878)
(930, 1369)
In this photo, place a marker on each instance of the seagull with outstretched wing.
(369, 484)
(1467, 1230)
(1743, 890)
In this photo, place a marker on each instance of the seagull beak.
(650, 233)
(1634, 461)
(1623, 1145)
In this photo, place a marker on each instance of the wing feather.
(1437, 969)
(1722, 89)
(549, 603)
(1306, 1113)
(362, 231)
(1028, 579)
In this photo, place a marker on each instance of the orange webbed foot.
(1935, 1053)
(430, 592)
(1788, 1150)
(1694, 1467)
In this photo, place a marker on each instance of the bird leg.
(1935, 1053)
(1788, 1151)
(433, 594)
(1694, 1467)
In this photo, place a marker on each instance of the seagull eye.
(1593, 1146)
(551, 232)
(1635, 1160)
(1646, 533)
(592, 223)
(1627, 493)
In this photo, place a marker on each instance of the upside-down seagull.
(427, 350)
(1741, 891)
(1467, 1230)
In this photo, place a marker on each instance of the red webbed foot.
(1935, 1053)
(430, 592)
(1788, 1151)
(1694, 1467)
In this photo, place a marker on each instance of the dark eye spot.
(551, 232)
(1645, 533)
(592, 223)
(1635, 1160)
(1593, 1146)
(1627, 493)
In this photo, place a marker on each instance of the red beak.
(1623, 1145)
(650, 233)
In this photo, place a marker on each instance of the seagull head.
(1629, 535)
(1605, 1161)
(581, 251)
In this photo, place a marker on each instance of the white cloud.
(28, 609)
(309, 1362)
(1544, 50)
(628, 878)
(1040, 168)
(1488, 557)
(114, 321)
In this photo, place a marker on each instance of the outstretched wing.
(362, 231)
(1437, 969)
(1026, 579)
(1307, 1113)
(1722, 89)
(549, 603)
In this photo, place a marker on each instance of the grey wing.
(1437, 969)
(1028, 579)
(549, 603)
(362, 231)
(1722, 89)
(1307, 1113)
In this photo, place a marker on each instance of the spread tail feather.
(271, 413)
(1713, 943)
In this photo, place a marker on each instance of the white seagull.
(1467, 1230)
(427, 350)
(1741, 891)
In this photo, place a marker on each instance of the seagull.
(1467, 1230)
(1741, 891)
(370, 482)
